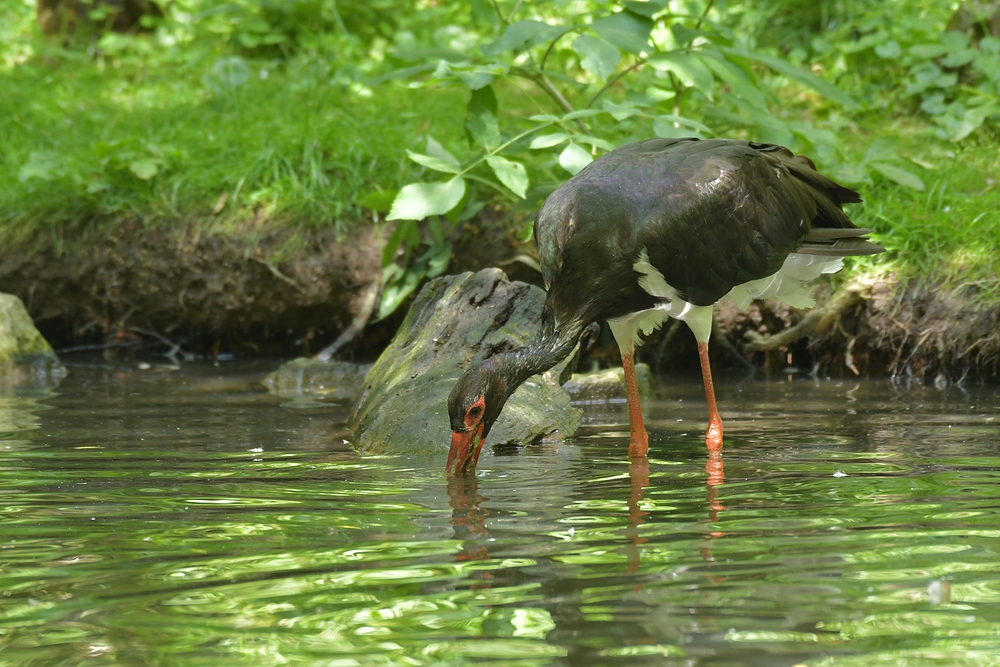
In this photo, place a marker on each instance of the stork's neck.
(547, 350)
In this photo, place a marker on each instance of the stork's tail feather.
(838, 242)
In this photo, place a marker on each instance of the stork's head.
(474, 404)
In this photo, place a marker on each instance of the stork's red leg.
(713, 437)
(638, 440)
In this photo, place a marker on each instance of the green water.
(183, 517)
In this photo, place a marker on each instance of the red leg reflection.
(468, 518)
(638, 472)
(716, 477)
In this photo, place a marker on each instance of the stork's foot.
(638, 444)
(713, 436)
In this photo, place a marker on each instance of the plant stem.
(482, 158)
(543, 82)
(701, 18)
(514, 11)
(552, 44)
(615, 79)
(500, 16)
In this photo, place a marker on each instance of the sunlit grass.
(946, 234)
(81, 147)
(85, 146)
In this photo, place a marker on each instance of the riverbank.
(235, 295)
(224, 205)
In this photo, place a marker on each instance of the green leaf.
(733, 75)
(378, 200)
(899, 175)
(397, 238)
(450, 55)
(628, 31)
(597, 56)
(434, 149)
(821, 86)
(544, 118)
(973, 118)
(620, 111)
(881, 150)
(688, 67)
(404, 73)
(398, 289)
(959, 58)
(43, 165)
(888, 50)
(669, 125)
(438, 257)
(417, 201)
(594, 141)
(516, 35)
(648, 8)
(434, 163)
(928, 51)
(547, 140)
(581, 113)
(144, 169)
(481, 123)
(574, 158)
(475, 79)
(849, 172)
(511, 174)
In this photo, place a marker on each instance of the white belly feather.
(787, 285)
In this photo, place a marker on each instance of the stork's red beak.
(465, 449)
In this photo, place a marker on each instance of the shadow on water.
(184, 517)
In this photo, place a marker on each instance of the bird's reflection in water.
(716, 476)
(469, 520)
(638, 472)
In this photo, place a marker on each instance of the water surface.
(185, 517)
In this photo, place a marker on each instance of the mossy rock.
(454, 323)
(304, 377)
(608, 384)
(25, 356)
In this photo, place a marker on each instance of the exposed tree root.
(368, 300)
(816, 321)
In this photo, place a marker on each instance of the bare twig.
(278, 274)
(368, 300)
(171, 354)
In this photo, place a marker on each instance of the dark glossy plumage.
(712, 214)
(691, 219)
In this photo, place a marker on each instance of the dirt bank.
(208, 291)
(226, 293)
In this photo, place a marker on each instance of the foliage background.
(324, 112)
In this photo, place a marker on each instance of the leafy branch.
(683, 67)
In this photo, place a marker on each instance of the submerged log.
(454, 323)
(26, 358)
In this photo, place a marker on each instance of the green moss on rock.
(25, 355)
(455, 322)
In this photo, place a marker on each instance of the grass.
(219, 145)
(84, 148)
(948, 233)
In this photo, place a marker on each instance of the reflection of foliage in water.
(176, 519)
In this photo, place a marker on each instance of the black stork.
(665, 228)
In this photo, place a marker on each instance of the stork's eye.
(474, 415)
